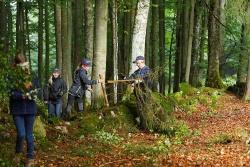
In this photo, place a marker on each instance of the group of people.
(24, 108)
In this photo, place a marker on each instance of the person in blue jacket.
(142, 74)
(23, 109)
(79, 86)
(53, 93)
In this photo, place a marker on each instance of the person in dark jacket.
(141, 75)
(79, 86)
(53, 93)
(23, 109)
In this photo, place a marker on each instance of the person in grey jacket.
(79, 86)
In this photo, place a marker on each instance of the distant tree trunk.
(162, 43)
(139, 32)
(203, 40)
(100, 48)
(115, 46)
(247, 92)
(66, 45)
(10, 39)
(129, 20)
(148, 40)
(58, 33)
(243, 57)
(155, 42)
(179, 43)
(170, 57)
(214, 46)
(47, 49)
(244, 44)
(190, 40)
(20, 37)
(28, 38)
(222, 58)
(3, 26)
(194, 78)
(78, 31)
(89, 36)
(40, 40)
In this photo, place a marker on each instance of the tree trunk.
(178, 57)
(58, 33)
(10, 40)
(155, 43)
(89, 36)
(47, 56)
(139, 32)
(66, 47)
(28, 38)
(190, 40)
(243, 57)
(214, 46)
(194, 78)
(115, 46)
(78, 32)
(100, 49)
(40, 40)
(222, 58)
(162, 43)
(20, 38)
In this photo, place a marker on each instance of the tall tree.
(194, 78)
(155, 42)
(47, 40)
(78, 41)
(89, 35)
(162, 43)
(189, 39)
(66, 44)
(139, 32)
(40, 39)
(100, 48)
(58, 32)
(28, 33)
(244, 45)
(20, 27)
(178, 57)
(214, 45)
(115, 45)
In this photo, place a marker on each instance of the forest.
(196, 112)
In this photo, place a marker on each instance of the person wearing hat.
(80, 85)
(53, 93)
(141, 75)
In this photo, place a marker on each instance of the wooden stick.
(104, 91)
(117, 81)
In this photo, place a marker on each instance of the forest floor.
(219, 138)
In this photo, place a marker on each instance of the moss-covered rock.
(39, 128)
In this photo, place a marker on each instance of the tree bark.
(115, 46)
(40, 40)
(3, 26)
(155, 44)
(78, 32)
(139, 32)
(178, 57)
(214, 46)
(66, 45)
(20, 37)
(100, 49)
(162, 43)
(58, 33)
(194, 78)
(47, 40)
(89, 36)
